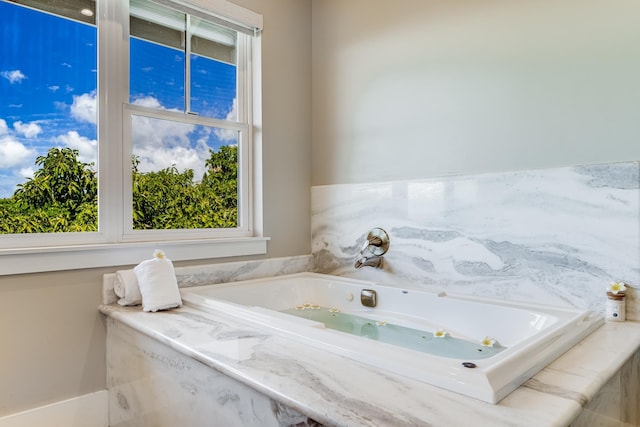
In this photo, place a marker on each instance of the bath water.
(414, 339)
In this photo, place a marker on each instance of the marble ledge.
(209, 274)
(338, 391)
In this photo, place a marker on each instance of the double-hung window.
(126, 125)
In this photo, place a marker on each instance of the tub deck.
(338, 391)
(533, 335)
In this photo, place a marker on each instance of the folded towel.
(158, 284)
(126, 287)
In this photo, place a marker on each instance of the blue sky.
(48, 81)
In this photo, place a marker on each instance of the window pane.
(48, 121)
(80, 10)
(213, 41)
(213, 70)
(185, 176)
(156, 75)
(156, 56)
(159, 75)
(213, 88)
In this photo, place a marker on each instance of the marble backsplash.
(555, 236)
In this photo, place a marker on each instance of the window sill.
(36, 260)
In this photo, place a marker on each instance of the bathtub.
(497, 345)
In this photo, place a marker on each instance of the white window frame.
(245, 226)
(116, 244)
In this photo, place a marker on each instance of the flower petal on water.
(488, 342)
(440, 333)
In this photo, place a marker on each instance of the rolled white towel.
(158, 283)
(126, 287)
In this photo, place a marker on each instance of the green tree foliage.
(62, 196)
(169, 199)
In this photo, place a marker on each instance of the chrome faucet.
(376, 245)
(372, 261)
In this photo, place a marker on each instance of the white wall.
(90, 410)
(52, 338)
(421, 88)
(286, 116)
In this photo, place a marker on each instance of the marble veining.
(151, 384)
(554, 236)
(241, 270)
(560, 391)
(271, 372)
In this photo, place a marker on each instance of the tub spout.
(374, 261)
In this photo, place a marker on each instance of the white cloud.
(4, 129)
(148, 101)
(54, 88)
(226, 134)
(87, 148)
(27, 172)
(182, 157)
(14, 76)
(233, 113)
(157, 133)
(29, 130)
(13, 153)
(159, 144)
(84, 107)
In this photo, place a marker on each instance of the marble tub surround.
(223, 273)
(314, 386)
(617, 403)
(180, 391)
(555, 236)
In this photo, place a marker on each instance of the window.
(153, 140)
(47, 104)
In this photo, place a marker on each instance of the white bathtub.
(528, 337)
